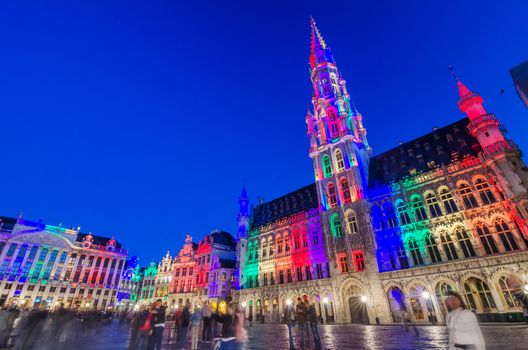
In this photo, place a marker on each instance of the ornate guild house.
(378, 235)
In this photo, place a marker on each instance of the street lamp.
(288, 302)
(363, 298)
(244, 304)
(325, 300)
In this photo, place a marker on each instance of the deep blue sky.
(141, 118)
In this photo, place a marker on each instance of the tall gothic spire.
(319, 51)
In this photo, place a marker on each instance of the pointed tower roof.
(317, 41)
(244, 192)
(463, 90)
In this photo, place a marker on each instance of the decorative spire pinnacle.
(463, 91)
(318, 42)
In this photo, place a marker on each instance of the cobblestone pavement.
(343, 337)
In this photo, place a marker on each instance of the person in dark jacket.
(228, 328)
(184, 324)
(139, 335)
(312, 320)
(301, 317)
(288, 317)
(158, 325)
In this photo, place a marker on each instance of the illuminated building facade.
(129, 284)
(183, 276)
(163, 280)
(375, 235)
(148, 283)
(43, 266)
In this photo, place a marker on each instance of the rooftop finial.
(452, 70)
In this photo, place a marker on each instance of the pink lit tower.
(340, 154)
(501, 155)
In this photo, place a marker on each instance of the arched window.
(415, 252)
(335, 225)
(333, 123)
(448, 245)
(327, 166)
(331, 193)
(402, 213)
(505, 235)
(279, 244)
(264, 248)
(432, 205)
(490, 247)
(441, 291)
(286, 242)
(351, 221)
(467, 196)
(265, 279)
(402, 256)
(345, 190)
(484, 191)
(340, 162)
(296, 238)
(432, 249)
(390, 215)
(418, 208)
(475, 286)
(465, 242)
(377, 219)
(508, 292)
(448, 201)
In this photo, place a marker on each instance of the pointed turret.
(243, 213)
(319, 52)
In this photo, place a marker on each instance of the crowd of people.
(44, 329)
(302, 317)
(148, 326)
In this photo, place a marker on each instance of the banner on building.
(520, 79)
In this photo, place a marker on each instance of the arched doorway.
(418, 304)
(258, 317)
(397, 303)
(441, 290)
(266, 311)
(356, 305)
(511, 292)
(275, 310)
(250, 316)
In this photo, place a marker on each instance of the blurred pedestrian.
(206, 313)
(462, 324)
(228, 328)
(240, 330)
(184, 324)
(288, 318)
(194, 325)
(312, 319)
(158, 325)
(301, 314)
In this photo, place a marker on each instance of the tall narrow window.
(327, 166)
(415, 252)
(331, 193)
(335, 225)
(505, 235)
(484, 191)
(281, 277)
(402, 213)
(308, 273)
(296, 238)
(343, 265)
(448, 201)
(359, 260)
(490, 247)
(333, 124)
(418, 208)
(432, 249)
(402, 257)
(352, 221)
(377, 219)
(468, 198)
(432, 205)
(345, 190)
(448, 245)
(340, 162)
(465, 242)
(299, 274)
(390, 215)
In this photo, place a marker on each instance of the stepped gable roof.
(439, 147)
(290, 204)
(222, 237)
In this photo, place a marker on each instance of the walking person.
(288, 318)
(194, 325)
(184, 324)
(228, 321)
(177, 321)
(464, 330)
(406, 321)
(206, 313)
(301, 318)
(312, 319)
(158, 325)
(144, 319)
(240, 330)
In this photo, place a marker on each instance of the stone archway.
(396, 299)
(355, 300)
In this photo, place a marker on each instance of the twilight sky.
(140, 119)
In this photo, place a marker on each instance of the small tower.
(244, 216)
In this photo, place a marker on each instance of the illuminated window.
(345, 190)
(432, 205)
(377, 219)
(279, 244)
(402, 256)
(432, 249)
(296, 238)
(390, 215)
(281, 277)
(351, 221)
(477, 287)
(359, 260)
(331, 193)
(448, 201)
(333, 124)
(343, 265)
(299, 274)
(505, 235)
(335, 225)
(319, 269)
(272, 279)
(467, 196)
(448, 245)
(289, 276)
(484, 191)
(224, 276)
(508, 292)
(265, 280)
(308, 273)
(490, 247)
(402, 213)
(465, 242)
(304, 238)
(415, 252)
(418, 208)
(340, 162)
(327, 166)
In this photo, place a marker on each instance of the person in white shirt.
(462, 324)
